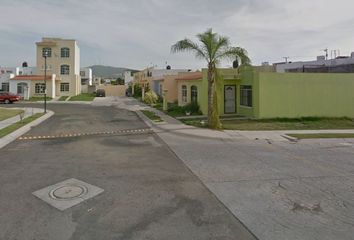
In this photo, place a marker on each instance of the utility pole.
(45, 82)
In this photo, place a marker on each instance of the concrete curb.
(59, 102)
(145, 119)
(19, 132)
(158, 129)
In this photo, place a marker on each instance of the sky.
(139, 33)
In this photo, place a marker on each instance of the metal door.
(230, 99)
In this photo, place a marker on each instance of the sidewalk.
(19, 132)
(28, 112)
(173, 125)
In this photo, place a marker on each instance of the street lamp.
(45, 55)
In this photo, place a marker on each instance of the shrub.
(193, 108)
(150, 97)
(137, 91)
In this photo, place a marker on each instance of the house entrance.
(230, 99)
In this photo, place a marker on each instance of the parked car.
(100, 93)
(7, 97)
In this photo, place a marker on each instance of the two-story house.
(63, 69)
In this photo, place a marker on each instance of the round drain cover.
(68, 192)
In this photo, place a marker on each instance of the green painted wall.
(229, 76)
(305, 94)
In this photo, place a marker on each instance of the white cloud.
(136, 33)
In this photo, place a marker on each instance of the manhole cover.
(68, 192)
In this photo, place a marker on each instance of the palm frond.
(233, 53)
(187, 45)
(209, 39)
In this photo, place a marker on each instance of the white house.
(86, 76)
(22, 87)
(337, 63)
(128, 77)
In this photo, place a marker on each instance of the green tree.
(213, 48)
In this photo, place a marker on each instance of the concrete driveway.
(279, 190)
(148, 192)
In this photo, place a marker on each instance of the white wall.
(25, 71)
(77, 59)
(87, 74)
(128, 77)
(281, 68)
(161, 72)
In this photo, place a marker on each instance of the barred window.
(194, 94)
(39, 88)
(65, 52)
(184, 93)
(64, 70)
(46, 52)
(246, 96)
(64, 87)
(5, 87)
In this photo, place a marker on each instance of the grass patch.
(177, 111)
(6, 113)
(63, 98)
(322, 135)
(306, 123)
(152, 116)
(83, 97)
(15, 126)
(37, 99)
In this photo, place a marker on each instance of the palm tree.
(213, 48)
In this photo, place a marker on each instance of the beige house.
(63, 70)
(171, 85)
(187, 90)
(64, 61)
(143, 78)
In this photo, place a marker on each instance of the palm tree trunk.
(210, 94)
(213, 111)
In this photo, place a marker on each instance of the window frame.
(65, 52)
(63, 87)
(246, 96)
(184, 92)
(49, 52)
(7, 87)
(39, 88)
(194, 94)
(64, 69)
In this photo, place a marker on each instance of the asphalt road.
(148, 192)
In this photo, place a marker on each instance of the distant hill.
(108, 71)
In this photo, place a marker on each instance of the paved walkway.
(28, 112)
(172, 125)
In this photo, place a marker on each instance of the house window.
(82, 73)
(64, 70)
(46, 52)
(184, 93)
(39, 88)
(21, 88)
(5, 87)
(65, 52)
(246, 96)
(194, 94)
(64, 87)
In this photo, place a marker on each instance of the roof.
(31, 77)
(191, 76)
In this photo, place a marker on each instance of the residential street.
(148, 192)
(177, 183)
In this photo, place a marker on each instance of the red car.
(9, 97)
